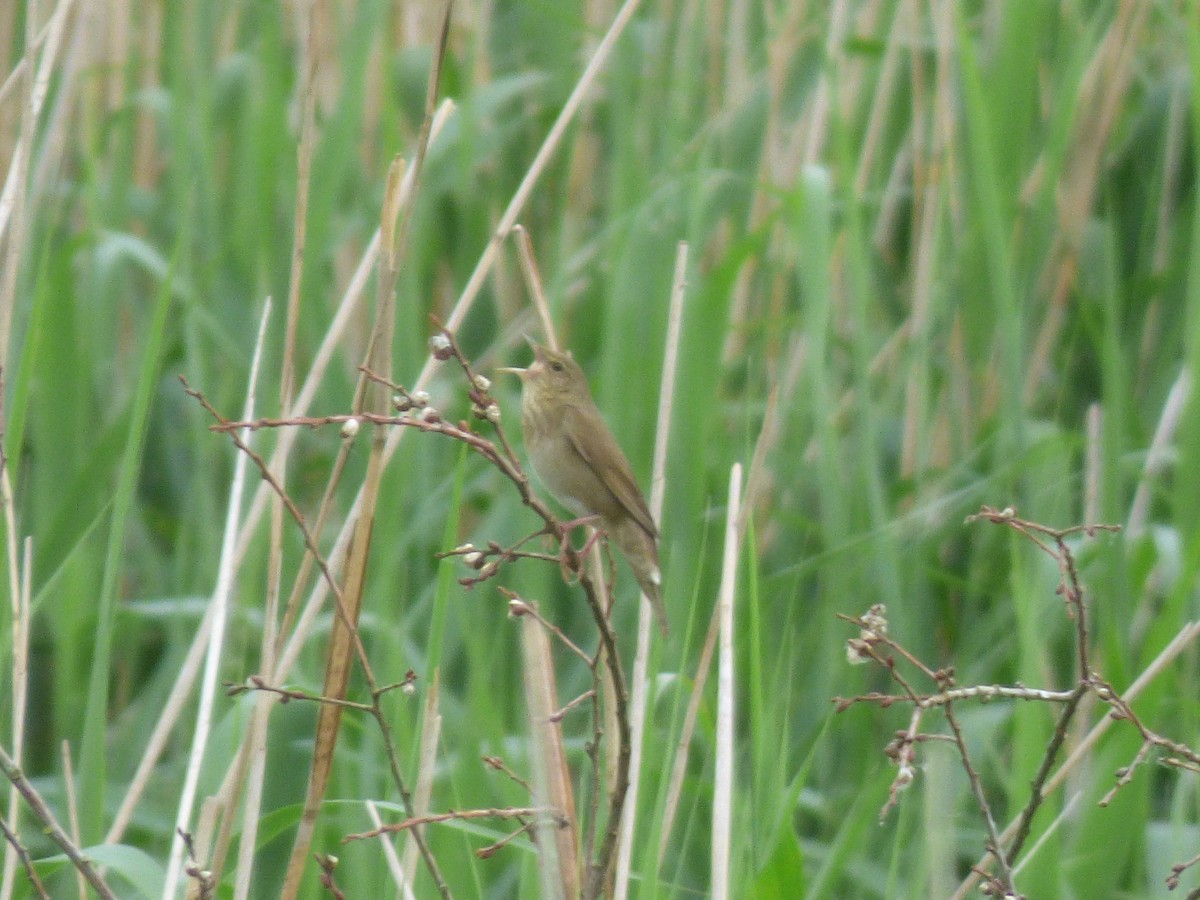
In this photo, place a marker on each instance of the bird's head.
(552, 376)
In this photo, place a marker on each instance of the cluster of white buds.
(491, 412)
(406, 401)
(440, 347)
(858, 650)
(471, 556)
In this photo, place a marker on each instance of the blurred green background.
(958, 241)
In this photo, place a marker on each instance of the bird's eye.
(556, 366)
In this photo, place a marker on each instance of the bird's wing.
(600, 448)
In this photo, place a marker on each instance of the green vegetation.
(939, 256)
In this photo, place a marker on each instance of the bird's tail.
(641, 552)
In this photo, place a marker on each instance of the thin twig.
(521, 812)
(232, 429)
(14, 841)
(1037, 791)
(985, 808)
(51, 826)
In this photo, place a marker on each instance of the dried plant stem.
(220, 604)
(345, 628)
(395, 866)
(723, 777)
(51, 826)
(431, 730)
(514, 812)
(557, 846)
(600, 867)
(549, 146)
(13, 840)
(641, 660)
(254, 756)
(22, 617)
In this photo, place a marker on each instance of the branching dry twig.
(873, 644)
(415, 411)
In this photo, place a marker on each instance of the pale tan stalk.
(169, 717)
(533, 281)
(559, 868)
(509, 218)
(1158, 454)
(22, 613)
(268, 644)
(725, 774)
(13, 205)
(640, 688)
(403, 883)
(343, 638)
(756, 484)
(221, 600)
(898, 37)
(36, 75)
(72, 810)
(431, 731)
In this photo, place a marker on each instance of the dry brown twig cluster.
(414, 410)
(995, 871)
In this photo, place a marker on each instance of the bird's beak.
(539, 352)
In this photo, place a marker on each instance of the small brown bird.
(578, 460)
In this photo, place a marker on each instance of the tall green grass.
(944, 234)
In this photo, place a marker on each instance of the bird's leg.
(565, 529)
(564, 536)
(575, 523)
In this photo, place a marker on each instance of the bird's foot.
(565, 529)
(564, 536)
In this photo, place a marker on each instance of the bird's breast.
(569, 477)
